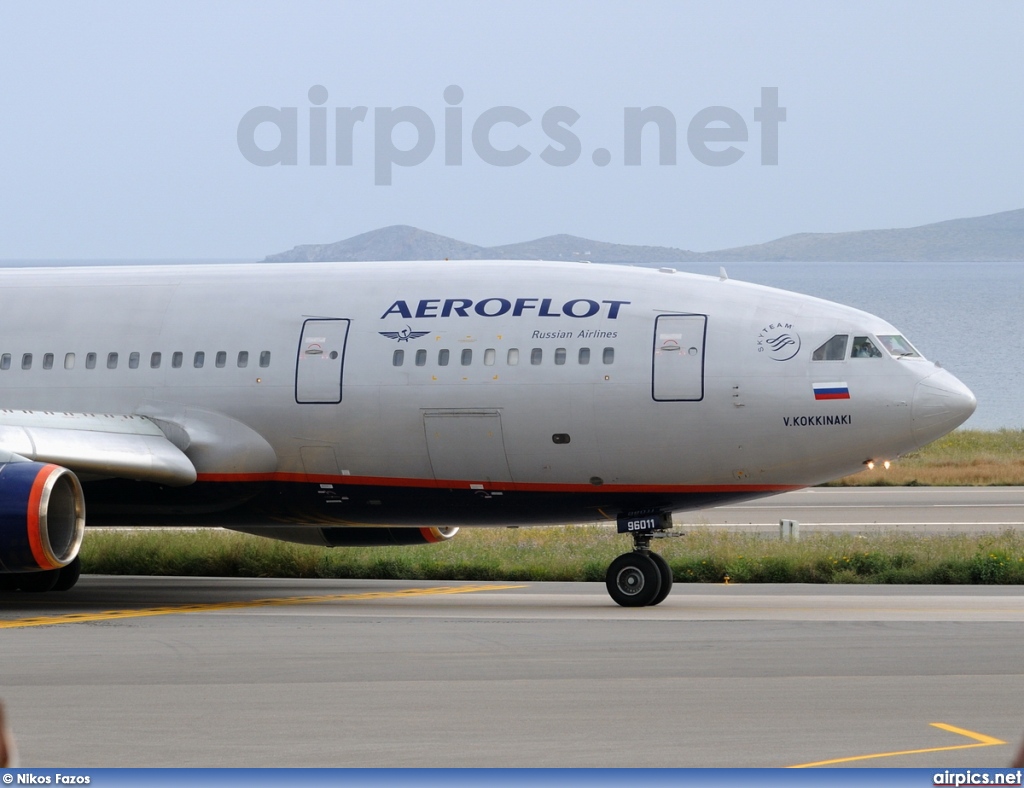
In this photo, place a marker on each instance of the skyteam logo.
(404, 335)
(779, 341)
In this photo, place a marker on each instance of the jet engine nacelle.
(42, 516)
(354, 536)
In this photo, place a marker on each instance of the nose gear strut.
(641, 578)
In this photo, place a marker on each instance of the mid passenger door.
(679, 358)
(321, 361)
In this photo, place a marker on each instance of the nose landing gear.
(641, 578)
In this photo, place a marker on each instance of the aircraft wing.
(125, 446)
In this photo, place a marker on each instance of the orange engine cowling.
(377, 537)
(355, 535)
(42, 516)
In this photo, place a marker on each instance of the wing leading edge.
(125, 446)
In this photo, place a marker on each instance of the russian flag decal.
(831, 391)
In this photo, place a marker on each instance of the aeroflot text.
(496, 307)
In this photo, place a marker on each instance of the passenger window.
(265, 358)
(513, 357)
(608, 356)
(177, 359)
(398, 358)
(833, 350)
(90, 361)
(489, 357)
(421, 358)
(584, 356)
(133, 361)
(154, 361)
(467, 357)
(243, 359)
(442, 358)
(864, 348)
(559, 356)
(48, 361)
(111, 360)
(26, 361)
(536, 356)
(69, 361)
(199, 359)
(5, 361)
(222, 359)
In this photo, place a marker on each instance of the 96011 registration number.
(640, 522)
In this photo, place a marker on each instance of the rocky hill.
(992, 238)
(997, 237)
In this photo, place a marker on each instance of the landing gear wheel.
(38, 582)
(633, 580)
(69, 575)
(666, 578)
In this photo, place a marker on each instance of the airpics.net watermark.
(708, 130)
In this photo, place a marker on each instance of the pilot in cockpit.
(864, 348)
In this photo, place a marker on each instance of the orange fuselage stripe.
(446, 484)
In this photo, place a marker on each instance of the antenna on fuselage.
(722, 275)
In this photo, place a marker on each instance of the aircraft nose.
(941, 404)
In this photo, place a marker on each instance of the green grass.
(965, 457)
(573, 553)
(962, 458)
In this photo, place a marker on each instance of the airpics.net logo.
(269, 136)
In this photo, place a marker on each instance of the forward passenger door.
(320, 364)
(679, 358)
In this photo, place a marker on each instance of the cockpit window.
(833, 350)
(865, 348)
(898, 346)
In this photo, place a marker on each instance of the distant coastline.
(998, 237)
(995, 238)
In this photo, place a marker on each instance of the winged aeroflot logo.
(404, 335)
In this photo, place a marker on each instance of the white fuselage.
(504, 388)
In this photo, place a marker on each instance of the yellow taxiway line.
(113, 615)
(981, 740)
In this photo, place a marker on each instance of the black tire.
(38, 582)
(69, 575)
(8, 582)
(666, 578)
(633, 580)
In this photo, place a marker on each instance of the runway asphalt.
(867, 509)
(266, 672)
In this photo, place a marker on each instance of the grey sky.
(119, 120)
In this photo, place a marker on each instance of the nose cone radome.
(941, 404)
